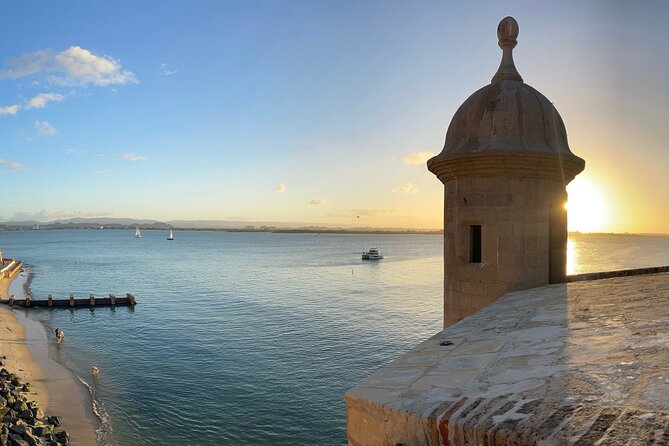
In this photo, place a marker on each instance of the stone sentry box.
(505, 166)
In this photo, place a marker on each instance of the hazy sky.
(313, 111)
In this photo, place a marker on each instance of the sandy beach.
(13, 345)
(25, 344)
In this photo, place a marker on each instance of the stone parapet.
(583, 363)
(617, 273)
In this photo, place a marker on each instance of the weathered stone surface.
(514, 217)
(22, 419)
(18, 428)
(63, 437)
(10, 416)
(37, 412)
(580, 363)
(20, 406)
(17, 440)
(31, 439)
(617, 273)
(43, 431)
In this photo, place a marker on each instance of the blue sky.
(309, 111)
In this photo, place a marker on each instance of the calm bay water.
(249, 338)
(238, 338)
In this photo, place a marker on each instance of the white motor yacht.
(372, 254)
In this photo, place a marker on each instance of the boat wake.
(104, 432)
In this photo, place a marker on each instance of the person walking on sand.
(59, 335)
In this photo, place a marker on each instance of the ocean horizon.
(249, 338)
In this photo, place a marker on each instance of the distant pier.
(91, 301)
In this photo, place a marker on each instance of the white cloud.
(42, 99)
(317, 201)
(418, 157)
(39, 101)
(11, 165)
(165, 70)
(129, 156)
(408, 188)
(382, 212)
(74, 66)
(77, 150)
(280, 188)
(9, 110)
(43, 128)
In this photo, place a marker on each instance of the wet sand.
(58, 391)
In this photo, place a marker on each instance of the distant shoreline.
(270, 230)
(283, 227)
(349, 231)
(276, 230)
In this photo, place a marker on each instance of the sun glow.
(586, 208)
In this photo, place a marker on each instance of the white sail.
(138, 233)
(171, 236)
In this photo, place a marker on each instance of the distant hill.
(83, 223)
(105, 221)
(221, 225)
(232, 224)
(26, 223)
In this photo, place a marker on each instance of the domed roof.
(507, 116)
(510, 119)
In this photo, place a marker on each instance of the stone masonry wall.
(514, 215)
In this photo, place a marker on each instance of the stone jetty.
(72, 301)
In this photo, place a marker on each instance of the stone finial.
(507, 32)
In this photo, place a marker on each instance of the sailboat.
(138, 233)
(171, 236)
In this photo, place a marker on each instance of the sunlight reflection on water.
(594, 253)
(571, 257)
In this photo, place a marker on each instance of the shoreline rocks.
(23, 421)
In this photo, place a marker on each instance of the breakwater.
(24, 422)
(91, 301)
